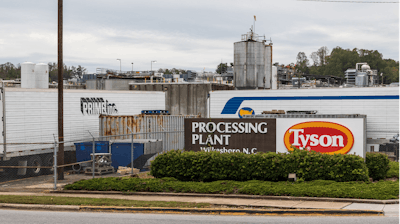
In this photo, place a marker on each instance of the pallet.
(99, 170)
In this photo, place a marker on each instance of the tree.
(339, 61)
(10, 71)
(315, 58)
(302, 63)
(222, 68)
(322, 53)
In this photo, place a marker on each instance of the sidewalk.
(287, 206)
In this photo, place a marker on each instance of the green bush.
(211, 166)
(378, 165)
(393, 170)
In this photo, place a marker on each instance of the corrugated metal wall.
(169, 128)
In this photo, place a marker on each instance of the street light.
(119, 65)
(151, 65)
(132, 67)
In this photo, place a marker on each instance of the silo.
(28, 75)
(274, 78)
(41, 76)
(268, 66)
(252, 63)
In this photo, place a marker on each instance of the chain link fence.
(127, 152)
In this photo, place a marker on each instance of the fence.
(13, 172)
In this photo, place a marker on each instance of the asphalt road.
(44, 217)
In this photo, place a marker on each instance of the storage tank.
(252, 63)
(41, 76)
(28, 75)
(274, 80)
(268, 66)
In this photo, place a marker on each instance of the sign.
(230, 135)
(325, 135)
(96, 106)
(320, 136)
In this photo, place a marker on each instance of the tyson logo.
(320, 136)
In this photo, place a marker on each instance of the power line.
(344, 1)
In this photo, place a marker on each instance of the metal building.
(252, 62)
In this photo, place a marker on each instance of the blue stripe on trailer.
(232, 106)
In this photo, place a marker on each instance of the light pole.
(119, 65)
(132, 67)
(151, 65)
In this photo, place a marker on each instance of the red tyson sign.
(320, 136)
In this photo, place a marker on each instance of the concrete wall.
(108, 84)
(91, 84)
(116, 84)
(181, 98)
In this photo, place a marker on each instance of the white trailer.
(380, 104)
(30, 116)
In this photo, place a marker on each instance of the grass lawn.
(318, 188)
(50, 200)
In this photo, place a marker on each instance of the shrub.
(393, 170)
(378, 165)
(211, 166)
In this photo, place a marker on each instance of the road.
(44, 217)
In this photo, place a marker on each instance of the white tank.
(28, 75)
(42, 76)
(365, 67)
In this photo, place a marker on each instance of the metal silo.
(252, 63)
(42, 76)
(28, 75)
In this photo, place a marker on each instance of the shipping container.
(169, 128)
(380, 104)
(29, 116)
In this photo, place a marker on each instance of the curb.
(242, 196)
(209, 211)
(40, 207)
(214, 211)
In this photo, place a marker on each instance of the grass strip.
(53, 200)
(381, 190)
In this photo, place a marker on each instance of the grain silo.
(252, 62)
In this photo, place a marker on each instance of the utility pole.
(60, 157)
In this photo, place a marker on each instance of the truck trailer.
(380, 104)
(30, 128)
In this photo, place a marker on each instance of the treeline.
(10, 71)
(335, 63)
(172, 71)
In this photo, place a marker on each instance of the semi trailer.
(30, 128)
(380, 104)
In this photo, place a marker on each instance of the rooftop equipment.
(362, 77)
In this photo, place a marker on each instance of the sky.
(190, 35)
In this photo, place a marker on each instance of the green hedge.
(378, 165)
(211, 166)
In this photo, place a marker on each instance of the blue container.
(84, 149)
(121, 153)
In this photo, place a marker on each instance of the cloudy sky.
(186, 34)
